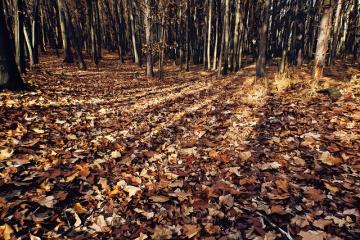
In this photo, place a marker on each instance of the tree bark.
(261, 59)
(147, 24)
(68, 55)
(19, 34)
(133, 34)
(209, 34)
(323, 41)
(335, 38)
(9, 73)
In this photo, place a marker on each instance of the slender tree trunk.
(9, 73)
(147, 23)
(74, 38)
(133, 33)
(119, 29)
(209, 35)
(217, 31)
(335, 38)
(68, 55)
(187, 43)
(235, 62)
(261, 59)
(19, 34)
(224, 53)
(35, 31)
(323, 41)
(29, 45)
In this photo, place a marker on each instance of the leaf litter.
(110, 154)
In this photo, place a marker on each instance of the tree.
(68, 55)
(323, 40)
(223, 60)
(148, 47)
(9, 74)
(261, 59)
(19, 34)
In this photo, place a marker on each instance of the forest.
(180, 119)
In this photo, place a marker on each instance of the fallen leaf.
(159, 198)
(132, 190)
(115, 154)
(322, 223)
(99, 225)
(315, 194)
(38, 131)
(6, 231)
(191, 230)
(331, 188)
(78, 208)
(271, 165)
(282, 184)
(329, 159)
(48, 201)
(245, 155)
(162, 232)
(312, 235)
(226, 200)
(5, 154)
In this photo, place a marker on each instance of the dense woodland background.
(217, 34)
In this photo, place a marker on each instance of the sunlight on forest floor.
(109, 152)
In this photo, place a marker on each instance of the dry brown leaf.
(322, 223)
(6, 232)
(78, 208)
(100, 225)
(329, 159)
(48, 201)
(38, 130)
(331, 188)
(159, 198)
(162, 232)
(132, 190)
(5, 154)
(226, 200)
(244, 156)
(312, 235)
(282, 184)
(191, 230)
(315, 194)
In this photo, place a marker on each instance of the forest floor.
(107, 153)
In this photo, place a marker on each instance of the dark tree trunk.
(9, 74)
(19, 34)
(261, 59)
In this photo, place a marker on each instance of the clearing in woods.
(107, 152)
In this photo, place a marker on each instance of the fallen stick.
(287, 234)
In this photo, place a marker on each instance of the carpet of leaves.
(109, 154)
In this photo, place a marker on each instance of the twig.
(287, 234)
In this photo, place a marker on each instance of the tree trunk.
(74, 38)
(133, 34)
(224, 53)
(238, 28)
(68, 55)
(9, 73)
(35, 31)
(187, 43)
(147, 24)
(335, 39)
(19, 34)
(323, 41)
(261, 59)
(209, 35)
